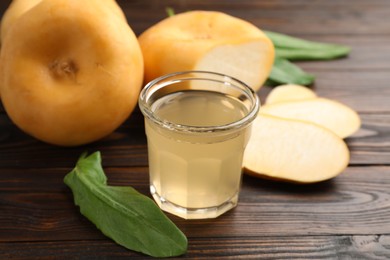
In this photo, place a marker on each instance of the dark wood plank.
(345, 218)
(361, 58)
(50, 180)
(370, 145)
(127, 146)
(294, 17)
(326, 17)
(309, 247)
(364, 91)
(356, 202)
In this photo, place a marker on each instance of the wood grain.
(347, 217)
(127, 145)
(309, 247)
(349, 204)
(294, 17)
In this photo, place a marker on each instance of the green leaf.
(320, 54)
(121, 213)
(293, 48)
(170, 11)
(285, 72)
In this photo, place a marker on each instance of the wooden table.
(344, 218)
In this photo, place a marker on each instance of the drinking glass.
(197, 125)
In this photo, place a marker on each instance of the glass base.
(193, 213)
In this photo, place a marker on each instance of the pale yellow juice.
(196, 170)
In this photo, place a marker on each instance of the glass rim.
(225, 79)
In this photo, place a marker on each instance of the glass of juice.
(197, 125)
